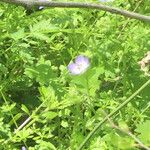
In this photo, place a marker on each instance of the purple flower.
(79, 66)
(23, 148)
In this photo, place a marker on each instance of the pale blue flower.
(79, 66)
(23, 148)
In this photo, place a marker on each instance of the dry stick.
(112, 113)
(28, 119)
(128, 133)
(23, 124)
(110, 9)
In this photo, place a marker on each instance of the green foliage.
(63, 109)
(119, 141)
(143, 129)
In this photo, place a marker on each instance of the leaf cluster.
(35, 50)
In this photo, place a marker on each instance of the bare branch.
(110, 9)
(23, 124)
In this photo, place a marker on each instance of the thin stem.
(127, 132)
(87, 86)
(145, 109)
(23, 124)
(4, 98)
(29, 118)
(112, 114)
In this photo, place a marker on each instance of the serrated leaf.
(18, 35)
(49, 115)
(31, 72)
(43, 26)
(119, 141)
(40, 36)
(43, 145)
(144, 130)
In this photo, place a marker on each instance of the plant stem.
(112, 114)
(4, 98)
(29, 118)
(113, 125)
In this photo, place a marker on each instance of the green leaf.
(31, 72)
(3, 69)
(18, 35)
(15, 118)
(40, 36)
(44, 26)
(119, 141)
(49, 115)
(25, 109)
(43, 145)
(42, 72)
(64, 124)
(144, 132)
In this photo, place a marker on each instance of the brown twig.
(110, 9)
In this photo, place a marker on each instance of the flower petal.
(82, 60)
(74, 69)
(23, 148)
(80, 65)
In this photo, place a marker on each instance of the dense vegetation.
(62, 109)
